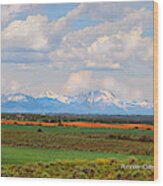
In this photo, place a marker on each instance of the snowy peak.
(145, 103)
(96, 96)
(64, 99)
(15, 97)
(102, 97)
(93, 102)
(48, 94)
(52, 95)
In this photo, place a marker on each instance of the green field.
(32, 151)
(90, 141)
(13, 155)
(70, 129)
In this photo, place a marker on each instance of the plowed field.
(83, 124)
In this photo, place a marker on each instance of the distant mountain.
(93, 102)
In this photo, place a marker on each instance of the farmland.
(70, 151)
(82, 124)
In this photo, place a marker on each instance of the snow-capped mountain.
(101, 97)
(93, 102)
(17, 97)
(50, 94)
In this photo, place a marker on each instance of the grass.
(81, 141)
(135, 132)
(73, 152)
(19, 155)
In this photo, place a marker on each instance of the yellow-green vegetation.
(80, 169)
(20, 155)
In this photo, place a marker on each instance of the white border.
(63, 182)
(61, 1)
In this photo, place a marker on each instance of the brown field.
(82, 124)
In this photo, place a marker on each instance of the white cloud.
(79, 81)
(119, 50)
(24, 57)
(9, 12)
(36, 32)
(13, 86)
(39, 34)
(127, 88)
(89, 58)
(28, 34)
(109, 45)
(114, 11)
(109, 83)
(142, 18)
(63, 22)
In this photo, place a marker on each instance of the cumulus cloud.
(121, 49)
(26, 34)
(108, 45)
(89, 57)
(36, 32)
(9, 12)
(13, 86)
(64, 21)
(113, 11)
(79, 81)
(83, 81)
(136, 18)
(24, 57)
(127, 88)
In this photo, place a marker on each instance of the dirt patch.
(83, 124)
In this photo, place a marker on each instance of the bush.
(39, 130)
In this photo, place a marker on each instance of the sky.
(73, 48)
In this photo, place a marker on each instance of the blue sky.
(53, 11)
(73, 48)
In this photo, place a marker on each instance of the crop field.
(83, 124)
(69, 151)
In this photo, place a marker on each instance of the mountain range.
(93, 102)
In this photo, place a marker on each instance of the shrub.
(39, 130)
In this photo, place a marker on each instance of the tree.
(60, 122)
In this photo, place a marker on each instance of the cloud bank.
(70, 55)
